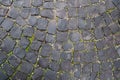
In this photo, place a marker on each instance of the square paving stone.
(111, 53)
(61, 13)
(13, 13)
(47, 13)
(3, 57)
(37, 74)
(37, 3)
(42, 24)
(1, 19)
(50, 73)
(99, 21)
(24, 12)
(3, 76)
(60, 5)
(20, 21)
(100, 44)
(64, 76)
(66, 65)
(66, 56)
(35, 45)
(8, 45)
(75, 36)
(46, 50)
(24, 42)
(40, 35)
(72, 12)
(82, 12)
(7, 24)
(117, 65)
(8, 69)
(114, 28)
(20, 75)
(96, 67)
(26, 67)
(50, 38)
(48, 5)
(26, 3)
(62, 36)
(3, 11)
(106, 31)
(67, 46)
(14, 61)
(107, 75)
(79, 46)
(28, 31)
(115, 14)
(72, 3)
(31, 57)
(107, 18)
(54, 66)
(16, 32)
(2, 34)
(52, 27)
(82, 23)
(62, 25)
(106, 66)
(6, 2)
(87, 68)
(55, 55)
(72, 24)
(87, 35)
(43, 62)
(34, 11)
(32, 20)
(19, 52)
(98, 33)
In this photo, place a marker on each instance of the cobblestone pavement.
(59, 39)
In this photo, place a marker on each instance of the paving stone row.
(59, 39)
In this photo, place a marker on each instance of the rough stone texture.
(59, 39)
